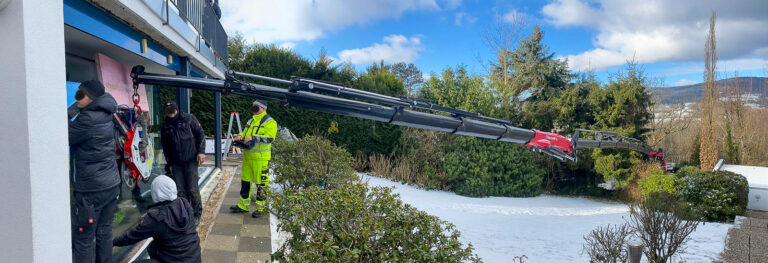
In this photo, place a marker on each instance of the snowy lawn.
(544, 228)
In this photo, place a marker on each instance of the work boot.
(257, 214)
(237, 209)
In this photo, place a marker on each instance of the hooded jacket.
(170, 223)
(172, 226)
(182, 138)
(92, 146)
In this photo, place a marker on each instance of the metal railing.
(202, 16)
(214, 33)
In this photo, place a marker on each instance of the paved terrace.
(228, 237)
(747, 240)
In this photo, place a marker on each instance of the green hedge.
(658, 181)
(483, 167)
(687, 170)
(355, 223)
(311, 161)
(715, 196)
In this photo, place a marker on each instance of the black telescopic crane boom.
(336, 99)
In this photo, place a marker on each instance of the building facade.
(48, 49)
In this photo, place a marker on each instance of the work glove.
(72, 110)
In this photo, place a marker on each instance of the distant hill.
(756, 86)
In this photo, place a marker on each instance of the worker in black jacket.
(93, 173)
(170, 223)
(183, 143)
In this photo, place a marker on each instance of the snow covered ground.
(544, 228)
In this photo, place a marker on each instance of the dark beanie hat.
(92, 88)
(171, 104)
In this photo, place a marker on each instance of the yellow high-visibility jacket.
(263, 133)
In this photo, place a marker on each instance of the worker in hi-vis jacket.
(259, 133)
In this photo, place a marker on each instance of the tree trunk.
(709, 151)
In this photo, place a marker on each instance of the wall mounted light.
(143, 44)
(4, 3)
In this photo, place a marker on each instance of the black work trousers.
(92, 215)
(186, 177)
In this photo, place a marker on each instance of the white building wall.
(34, 186)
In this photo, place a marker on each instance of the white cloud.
(307, 20)
(571, 12)
(462, 17)
(513, 16)
(684, 82)
(288, 45)
(663, 30)
(396, 48)
(729, 66)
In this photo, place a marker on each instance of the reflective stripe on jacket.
(262, 136)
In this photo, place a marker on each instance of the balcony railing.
(200, 25)
(214, 32)
(203, 17)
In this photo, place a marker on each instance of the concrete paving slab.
(735, 257)
(221, 243)
(226, 229)
(230, 201)
(252, 257)
(743, 222)
(229, 218)
(756, 214)
(759, 222)
(758, 245)
(219, 256)
(747, 240)
(264, 220)
(758, 259)
(235, 186)
(254, 230)
(737, 240)
(254, 244)
(232, 194)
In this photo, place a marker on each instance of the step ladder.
(228, 142)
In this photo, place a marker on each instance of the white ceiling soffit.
(86, 46)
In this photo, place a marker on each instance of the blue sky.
(666, 37)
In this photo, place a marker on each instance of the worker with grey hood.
(171, 224)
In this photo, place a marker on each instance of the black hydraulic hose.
(259, 77)
(333, 89)
(435, 107)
